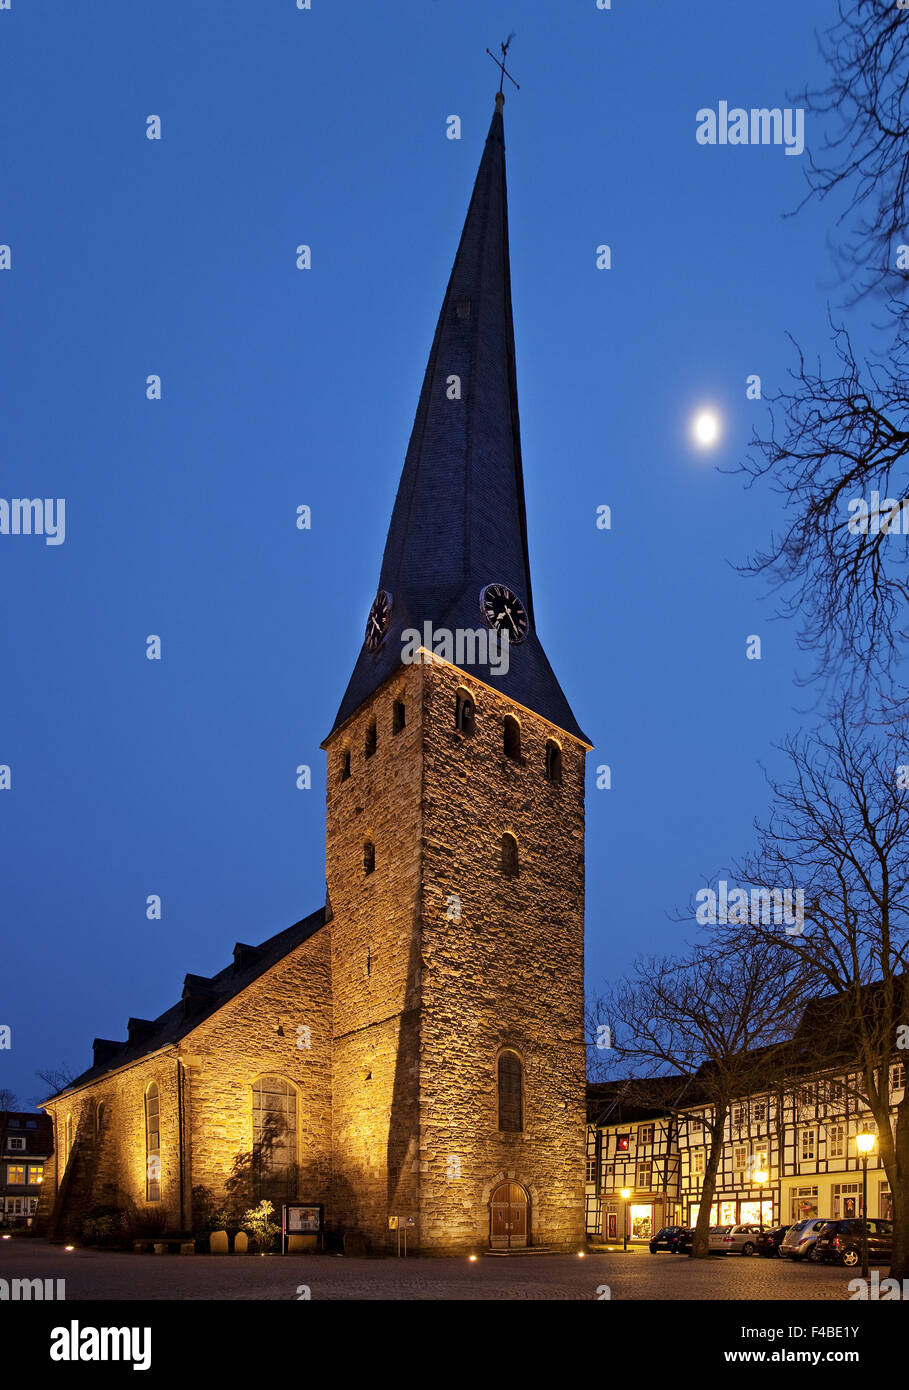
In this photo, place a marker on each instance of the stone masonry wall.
(509, 974)
(375, 961)
(422, 1003)
(220, 1060)
(255, 1034)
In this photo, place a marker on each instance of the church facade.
(413, 1050)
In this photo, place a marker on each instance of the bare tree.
(55, 1079)
(841, 435)
(717, 1020)
(843, 571)
(866, 157)
(838, 832)
(8, 1099)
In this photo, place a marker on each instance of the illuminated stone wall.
(509, 974)
(424, 1002)
(375, 960)
(220, 1060)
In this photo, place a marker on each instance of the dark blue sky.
(283, 387)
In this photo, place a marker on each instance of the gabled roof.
(459, 520)
(202, 997)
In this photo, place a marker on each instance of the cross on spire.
(500, 63)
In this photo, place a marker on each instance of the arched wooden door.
(508, 1212)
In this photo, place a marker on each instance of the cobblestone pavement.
(95, 1274)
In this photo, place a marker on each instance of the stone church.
(415, 1048)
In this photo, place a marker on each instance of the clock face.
(504, 611)
(378, 621)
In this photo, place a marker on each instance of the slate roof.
(614, 1102)
(202, 996)
(459, 520)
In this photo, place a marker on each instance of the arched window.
(152, 1145)
(398, 716)
(369, 746)
(512, 741)
(509, 856)
(465, 713)
(369, 857)
(67, 1139)
(274, 1153)
(345, 765)
(511, 1092)
(553, 763)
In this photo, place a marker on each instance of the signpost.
(399, 1224)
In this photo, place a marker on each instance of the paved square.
(96, 1274)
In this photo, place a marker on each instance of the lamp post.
(865, 1142)
(760, 1176)
(625, 1194)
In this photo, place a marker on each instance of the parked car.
(769, 1242)
(734, 1240)
(840, 1242)
(799, 1240)
(669, 1238)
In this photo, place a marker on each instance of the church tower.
(455, 828)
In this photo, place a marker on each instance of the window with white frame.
(697, 1162)
(645, 1134)
(591, 1170)
(740, 1158)
(738, 1115)
(803, 1203)
(16, 1142)
(644, 1175)
(15, 1174)
(836, 1141)
(898, 1076)
(759, 1112)
(808, 1145)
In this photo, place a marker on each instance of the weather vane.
(501, 63)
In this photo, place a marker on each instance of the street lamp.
(760, 1177)
(865, 1142)
(625, 1194)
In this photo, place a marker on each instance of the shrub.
(258, 1223)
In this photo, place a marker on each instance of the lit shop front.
(645, 1217)
(736, 1211)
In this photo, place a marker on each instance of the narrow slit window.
(509, 856)
(553, 763)
(398, 716)
(511, 1087)
(152, 1146)
(369, 857)
(465, 714)
(371, 739)
(512, 738)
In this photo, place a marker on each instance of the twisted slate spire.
(459, 520)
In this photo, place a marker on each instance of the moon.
(706, 428)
